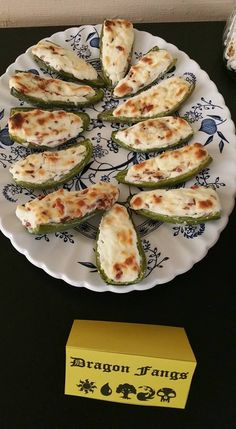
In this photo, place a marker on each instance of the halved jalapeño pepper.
(160, 100)
(45, 129)
(47, 92)
(154, 135)
(62, 210)
(151, 67)
(185, 205)
(167, 169)
(119, 254)
(65, 63)
(116, 43)
(49, 169)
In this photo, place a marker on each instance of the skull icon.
(166, 394)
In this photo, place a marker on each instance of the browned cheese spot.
(180, 91)
(42, 84)
(24, 88)
(126, 23)
(120, 48)
(177, 169)
(182, 121)
(130, 262)
(78, 212)
(118, 270)
(65, 219)
(204, 204)
(119, 209)
(59, 206)
(176, 154)
(41, 172)
(109, 24)
(17, 120)
(147, 108)
(93, 193)
(41, 121)
(147, 60)
(231, 50)
(122, 236)
(137, 202)
(139, 166)
(124, 89)
(200, 153)
(157, 199)
(81, 203)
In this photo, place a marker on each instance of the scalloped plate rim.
(178, 271)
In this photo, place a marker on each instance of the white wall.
(20, 13)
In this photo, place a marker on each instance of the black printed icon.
(166, 394)
(148, 393)
(126, 389)
(86, 386)
(106, 390)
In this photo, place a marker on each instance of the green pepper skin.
(120, 177)
(51, 104)
(84, 116)
(171, 66)
(99, 82)
(65, 226)
(130, 148)
(75, 170)
(105, 76)
(107, 115)
(143, 266)
(178, 219)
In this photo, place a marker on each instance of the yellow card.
(129, 363)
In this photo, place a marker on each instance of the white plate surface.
(170, 249)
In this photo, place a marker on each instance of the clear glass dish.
(229, 42)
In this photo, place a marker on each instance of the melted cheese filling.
(117, 246)
(168, 165)
(63, 206)
(157, 100)
(62, 59)
(42, 167)
(155, 134)
(41, 127)
(148, 69)
(48, 89)
(117, 42)
(184, 202)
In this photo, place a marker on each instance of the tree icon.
(125, 389)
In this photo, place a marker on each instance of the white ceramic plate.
(170, 249)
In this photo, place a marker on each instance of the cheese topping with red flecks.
(62, 205)
(190, 202)
(117, 42)
(44, 128)
(154, 134)
(49, 90)
(45, 166)
(160, 98)
(62, 59)
(168, 165)
(148, 69)
(117, 246)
